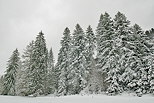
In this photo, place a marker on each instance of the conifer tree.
(147, 61)
(107, 55)
(121, 32)
(132, 60)
(134, 76)
(90, 47)
(38, 84)
(78, 72)
(25, 75)
(90, 60)
(63, 62)
(50, 74)
(11, 74)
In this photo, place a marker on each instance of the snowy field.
(79, 99)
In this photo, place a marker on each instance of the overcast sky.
(21, 20)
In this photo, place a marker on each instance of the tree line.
(117, 58)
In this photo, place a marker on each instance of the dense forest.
(117, 57)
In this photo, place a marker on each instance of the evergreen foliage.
(38, 85)
(63, 62)
(78, 73)
(124, 62)
(11, 74)
(50, 73)
(25, 74)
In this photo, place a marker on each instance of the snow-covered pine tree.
(137, 62)
(122, 30)
(132, 60)
(93, 78)
(78, 72)
(63, 62)
(108, 55)
(90, 47)
(11, 74)
(38, 84)
(25, 75)
(147, 61)
(50, 74)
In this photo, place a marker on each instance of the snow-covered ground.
(79, 99)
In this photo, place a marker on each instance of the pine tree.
(121, 32)
(137, 62)
(50, 74)
(90, 52)
(90, 47)
(78, 72)
(11, 74)
(63, 63)
(25, 74)
(107, 54)
(132, 60)
(147, 58)
(38, 84)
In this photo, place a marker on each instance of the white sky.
(21, 20)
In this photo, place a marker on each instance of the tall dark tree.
(38, 84)
(147, 59)
(78, 72)
(121, 32)
(11, 74)
(90, 47)
(50, 74)
(25, 75)
(107, 53)
(63, 62)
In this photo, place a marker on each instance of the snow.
(127, 98)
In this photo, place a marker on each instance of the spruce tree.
(107, 54)
(90, 61)
(25, 75)
(90, 47)
(38, 84)
(11, 74)
(147, 58)
(78, 72)
(121, 32)
(50, 74)
(63, 62)
(135, 75)
(132, 60)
